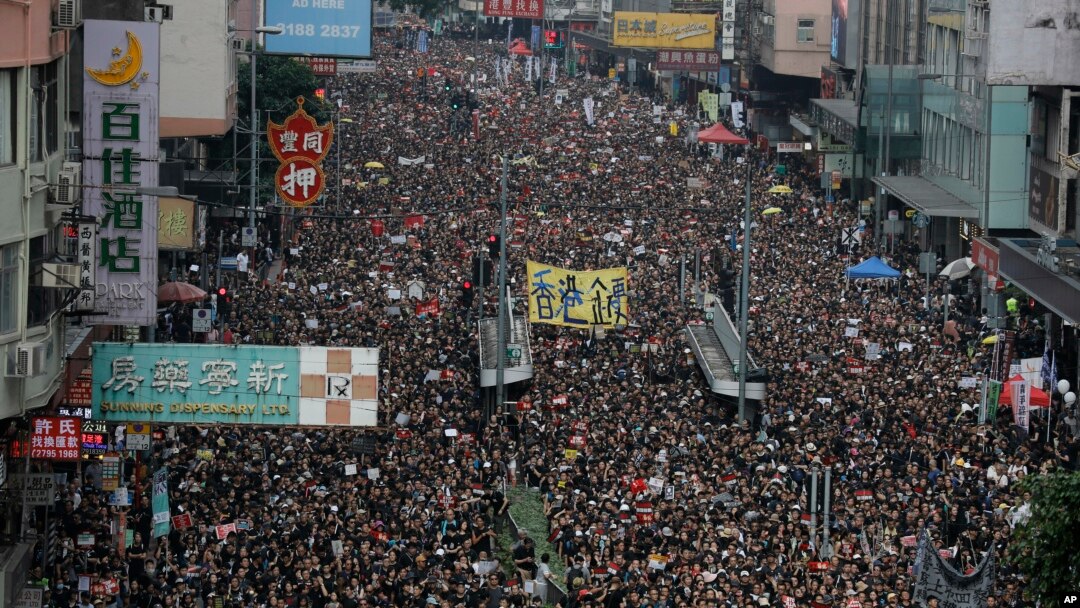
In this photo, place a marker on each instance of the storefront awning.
(926, 196)
(601, 43)
(1059, 291)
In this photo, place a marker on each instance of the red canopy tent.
(520, 48)
(718, 134)
(1038, 398)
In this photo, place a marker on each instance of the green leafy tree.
(1045, 547)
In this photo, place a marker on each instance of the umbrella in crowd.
(780, 189)
(374, 164)
(771, 211)
(957, 269)
(176, 291)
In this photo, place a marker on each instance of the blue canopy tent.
(872, 268)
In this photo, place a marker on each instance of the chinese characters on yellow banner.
(664, 30)
(577, 298)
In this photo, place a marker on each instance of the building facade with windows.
(34, 91)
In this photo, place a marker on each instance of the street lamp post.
(254, 152)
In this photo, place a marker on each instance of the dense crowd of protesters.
(417, 525)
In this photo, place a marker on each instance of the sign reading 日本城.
(120, 151)
(182, 383)
(577, 298)
(325, 28)
(664, 30)
(523, 9)
(300, 144)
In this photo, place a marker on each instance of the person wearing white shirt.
(242, 262)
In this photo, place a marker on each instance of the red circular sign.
(299, 181)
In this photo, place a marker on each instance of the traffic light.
(455, 102)
(320, 94)
(467, 294)
(494, 244)
(224, 300)
(447, 85)
(482, 272)
(726, 289)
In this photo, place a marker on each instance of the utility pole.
(500, 370)
(813, 504)
(826, 547)
(744, 295)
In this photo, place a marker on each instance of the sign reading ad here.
(577, 298)
(182, 383)
(664, 30)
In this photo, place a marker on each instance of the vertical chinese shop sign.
(120, 125)
(300, 145)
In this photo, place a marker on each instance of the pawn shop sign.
(300, 144)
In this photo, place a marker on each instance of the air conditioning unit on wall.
(69, 14)
(30, 359)
(68, 189)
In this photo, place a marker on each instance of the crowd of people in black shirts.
(724, 528)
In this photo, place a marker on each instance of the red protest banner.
(182, 521)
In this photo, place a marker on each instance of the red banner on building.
(301, 145)
(523, 9)
(55, 438)
(691, 61)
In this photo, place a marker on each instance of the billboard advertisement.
(120, 141)
(838, 39)
(664, 30)
(177, 224)
(688, 61)
(524, 9)
(1043, 198)
(844, 36)
(207, 383)
(1043, 44)
(323, 28)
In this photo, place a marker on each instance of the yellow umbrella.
(781, 189)
(771, 211)
(374, 165)
(990, 339)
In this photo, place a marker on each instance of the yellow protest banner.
(664, 30)
(575, 298)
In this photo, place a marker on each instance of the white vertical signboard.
(88, 246)
(120, 141)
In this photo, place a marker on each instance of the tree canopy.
(1045, 547)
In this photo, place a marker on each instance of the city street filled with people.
(416, 523)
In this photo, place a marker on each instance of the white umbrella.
(957, 269)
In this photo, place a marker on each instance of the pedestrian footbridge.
(519, 364)
(716, 347)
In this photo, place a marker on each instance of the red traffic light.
(222, 291)
(492, 238)
(466, 285)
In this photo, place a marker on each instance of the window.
(43, 111)
(9, 288)
(806, 30)
(8, 111)
(41, 302)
